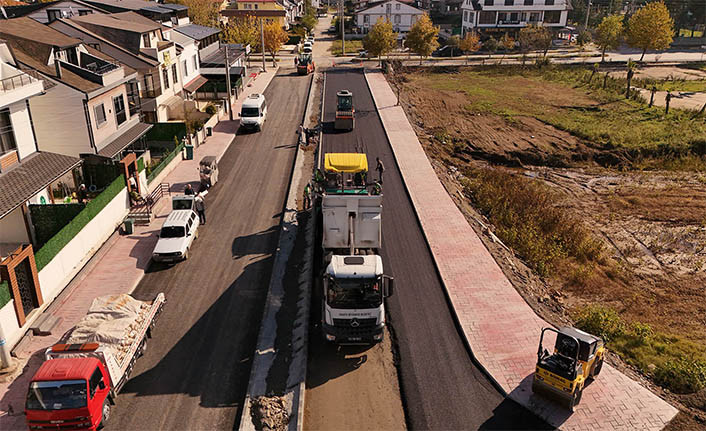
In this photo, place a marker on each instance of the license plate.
(354, 338)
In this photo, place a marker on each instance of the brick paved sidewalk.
(117, 267)
(480, 293)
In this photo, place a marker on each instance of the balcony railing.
(17, 81)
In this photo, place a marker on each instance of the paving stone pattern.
(501, 328)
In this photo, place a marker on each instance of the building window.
(488, 3)
(529, 2)
(502, 17)
(255, 6)
(388, 8)
(552, 16)
(165, 77)
(84, 12)
(366, 19)
(146, 40)
(185, 66)
(95, 46)
(53, 15)
(514, 16)
(119, 105)
(99, 111)
(175, 76)
(509, 2)
(535, 16)
(465, 16)
(196, 63)
(397, 19)
(549, 2)
(397, 6)
(486, 17)
(7, 136)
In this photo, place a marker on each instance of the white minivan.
(178, 232)
(254, 112)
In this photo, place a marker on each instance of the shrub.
(156, 169)
(210, 109)
(601, 321)
(642, 332)
(5, 296)
(140, 164)
(681, 375)
(45, 254)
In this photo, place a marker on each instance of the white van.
(254, 112)
(178, 232)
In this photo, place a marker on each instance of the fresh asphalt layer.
(442, 386)
(195, 372)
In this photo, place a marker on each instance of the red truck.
(79, 381)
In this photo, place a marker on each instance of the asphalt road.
(196, 369)
(442, 387)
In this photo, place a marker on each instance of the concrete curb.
(265, 350)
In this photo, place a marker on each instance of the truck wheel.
(597, 368)
(575, 398)
(105, 414)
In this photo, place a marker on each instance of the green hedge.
(50, 219)
(164, 162)
(5, 296)
(45, 254)
(140, 164)
(166, 132)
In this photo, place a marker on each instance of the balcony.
(95, 69)
(17, 85)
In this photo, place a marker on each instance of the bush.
(210, 109)
(45, 254)
(681, 375)
(5, 296)
(642, 332)
(601, 321)
(50, 219)
(156, 169)
(140, 164)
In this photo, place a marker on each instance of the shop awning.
(195, 84)
(122, 141)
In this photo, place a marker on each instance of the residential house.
(446, 7)
(26, 173)
(501, 16)
(139, 43)
(268, 10)
(50, 11)
(213, 69)
(189, 67)
(89, 108)
(401, 15)
(166, 14)
(207, 38)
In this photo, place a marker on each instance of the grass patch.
(567, 98)
(5, 296)
(49, 250)
(527, 218)
(352, 47)
(674, 362)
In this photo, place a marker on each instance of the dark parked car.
(447, 51)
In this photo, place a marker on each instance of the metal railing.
(17, 81)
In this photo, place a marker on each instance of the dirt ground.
(653, 223)
(665, 72)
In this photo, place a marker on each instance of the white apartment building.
(401, 15)
(504, 15)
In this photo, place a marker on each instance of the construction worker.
(380, 168)
(307, 196)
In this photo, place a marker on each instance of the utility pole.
(342, 18)
(262, 45)
(230, 107)
(588, 13)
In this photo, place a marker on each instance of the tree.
(202, 12)
(490, 45)
(381, 38)
(309, 22)
(651, 27)
(244, 30)
(534, 37)
(507, 42)
(275, 36)
(631, 72)
(470, 43)
(422, 36)
(609, 33)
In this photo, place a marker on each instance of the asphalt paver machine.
(345, 112)
(562, 375)
(305, 64)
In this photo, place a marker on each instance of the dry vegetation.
(556, 166)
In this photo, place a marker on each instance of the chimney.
(57, 66)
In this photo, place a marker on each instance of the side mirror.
(388, 286)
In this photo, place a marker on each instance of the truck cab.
(354, 307)
(69, 393)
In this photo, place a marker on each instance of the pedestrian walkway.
(680, 99)
(116, 268)
(500, 327)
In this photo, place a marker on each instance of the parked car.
(332, 29)
(307, 50)
(447, 51)
(178, 233)
(363, 53)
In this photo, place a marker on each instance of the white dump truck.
(354, 284)
(79, 381)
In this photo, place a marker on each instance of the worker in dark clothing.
(307, 196)
(188, 190)
(380, 168)
(82, 194)
(200, 208)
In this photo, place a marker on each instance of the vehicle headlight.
(330, 337)
(377, 336)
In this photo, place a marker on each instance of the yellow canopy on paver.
(346, 162)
